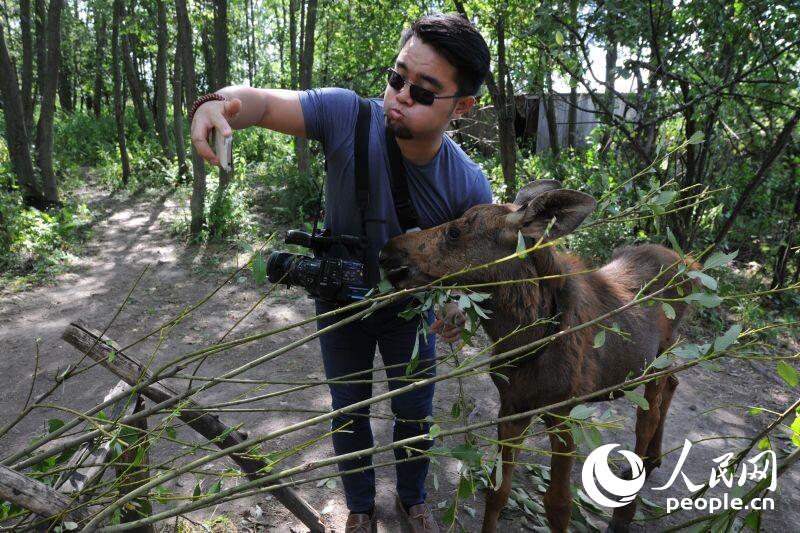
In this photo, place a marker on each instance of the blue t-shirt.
(440, 191)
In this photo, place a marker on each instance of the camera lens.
(278, 264)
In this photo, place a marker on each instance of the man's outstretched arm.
(275, 109)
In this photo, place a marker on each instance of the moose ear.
(568, 207)
(534, 189)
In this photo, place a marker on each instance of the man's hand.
(212, 115)
(449, 323)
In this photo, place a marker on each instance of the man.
(441, 65)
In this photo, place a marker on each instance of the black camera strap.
(361, 150)
(406, 214)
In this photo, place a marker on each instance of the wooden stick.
(86, 465)
(37, 497)
(209, 426)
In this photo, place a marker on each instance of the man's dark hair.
(459, 42)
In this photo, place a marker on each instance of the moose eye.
(453, 233)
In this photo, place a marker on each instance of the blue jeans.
(350, 349)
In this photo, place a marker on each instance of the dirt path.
(132, 238)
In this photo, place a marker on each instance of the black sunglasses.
(422, 96)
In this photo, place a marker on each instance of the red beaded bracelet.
(202, 100)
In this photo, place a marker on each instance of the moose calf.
(569, 366)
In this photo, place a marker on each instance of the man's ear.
(463, 105)
(568, 207)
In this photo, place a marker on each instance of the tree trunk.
(780, 271)
(550, 113)
(572, 117)
(48, 75)
(119, 103)
(15, 132)
(177, 117)
(292, 45)
(187, 60)
(611, 76)
(251, 41)
(208, 58)
(65, 86)
(132, 76)
(306, 70)
(780, 143)
(282, 41)
(99, 59)
(221, 66)
(27, 62)
(39, 24)
(161, 80)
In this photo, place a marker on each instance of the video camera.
(333, 280)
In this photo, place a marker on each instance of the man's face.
(421, 65)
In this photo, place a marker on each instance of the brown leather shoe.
(418, 519)
(361, 523)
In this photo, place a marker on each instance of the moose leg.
(654, 448)
(647, 424)
(507, 433)
(558, 498)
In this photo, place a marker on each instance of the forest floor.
(709, 408)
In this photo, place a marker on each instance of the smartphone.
(223, 147)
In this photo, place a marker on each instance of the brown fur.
(570, 366)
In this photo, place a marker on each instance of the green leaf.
(764, 444)
(697, 137)
(674, 242)
(480, 311)
(216, 487)
(54, 424)
(197, 492)
(581, 412)
(259, 269)
(705, 279)
(455, 412)
(559, 38)
(687, 351)
(788, 373)
(637, 398)
(706, 299)
(592, 437)
(479, 296)
(171, 432)
(753, 520)
(729, 337)
(384, 285)
(434, 431)
(719, 259)
(600, 338)
(521, 253)
(449, 516)
(498, 469)
(112, 356)
(662, 361)
(665, 198)
(669, 312)
(795, 427)
(466, 487)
